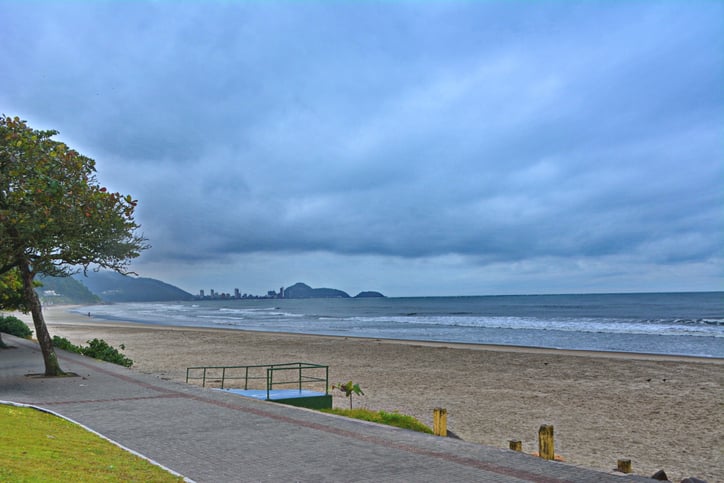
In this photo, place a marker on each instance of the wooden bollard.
(515, 445)
(546, 448)
(624, 466)
(439, 422)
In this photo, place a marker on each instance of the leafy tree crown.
(54, 215)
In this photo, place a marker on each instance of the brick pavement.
(213, 436)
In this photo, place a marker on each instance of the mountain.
(304, 291)
(64, 291)
(114, 287)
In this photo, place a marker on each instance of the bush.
(14, 326)
(65, 344)
(97, 349)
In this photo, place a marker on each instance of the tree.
(55, 219)
(348, 389)
(11, 294)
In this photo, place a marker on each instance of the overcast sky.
(415, 148)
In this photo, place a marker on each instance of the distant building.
(201, 293)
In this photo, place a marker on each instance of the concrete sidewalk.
(212, 436)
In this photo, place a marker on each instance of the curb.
(124, 448)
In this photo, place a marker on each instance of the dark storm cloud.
(495, 131)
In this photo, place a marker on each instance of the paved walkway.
(212, 436)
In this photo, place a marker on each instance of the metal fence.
(301, 375)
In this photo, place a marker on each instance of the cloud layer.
(476, 146)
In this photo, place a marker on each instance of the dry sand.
(661, 412)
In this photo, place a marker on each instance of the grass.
(391, 419)
(39, 447)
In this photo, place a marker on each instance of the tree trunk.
(52, 368)
(2, 344)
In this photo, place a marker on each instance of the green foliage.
(65, 344)
(14, 326)
(348, 389)
(97, 349)
(53, 213)
(55, 217)
(391, 419)
(11, 291)
(37, 446)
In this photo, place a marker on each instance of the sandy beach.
(662, 412)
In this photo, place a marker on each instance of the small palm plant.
(348, 389)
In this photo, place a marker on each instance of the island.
(370, 294)
(304, 291)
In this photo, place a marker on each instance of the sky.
(416, 148)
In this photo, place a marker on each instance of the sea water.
(655, 323)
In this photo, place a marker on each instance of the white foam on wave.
(256, 313)
(591, 325)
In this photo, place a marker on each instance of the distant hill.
(370, 294)
(304, 291)
(64, 291)
(114, 287)
(107, 286)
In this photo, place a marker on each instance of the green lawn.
(39, 447)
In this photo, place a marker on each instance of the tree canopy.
(11, 291)
(11, 294)
(55, 218)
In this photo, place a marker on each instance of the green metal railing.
(304, 375)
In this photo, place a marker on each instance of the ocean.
(655, 323)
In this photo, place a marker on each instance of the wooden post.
(515, 445)
(546, 448)
(439, 422)
(624, 466)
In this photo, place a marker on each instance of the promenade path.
(211, 436)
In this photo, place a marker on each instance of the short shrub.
(96, 348)
(99, 349)
(14, 326)
(65, 344)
